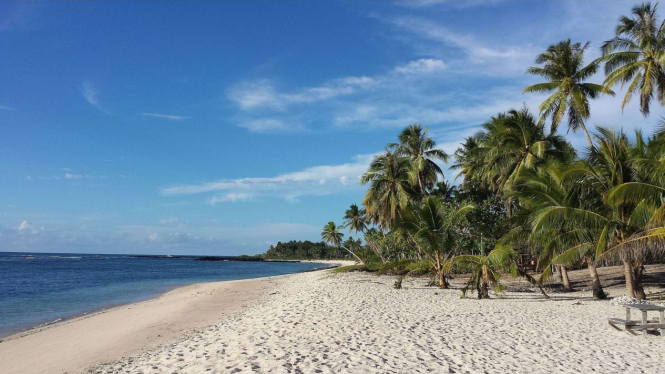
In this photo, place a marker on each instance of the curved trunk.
(598, 292)
(628, 275)
(354, 255)
(565, 281)
(588, 137)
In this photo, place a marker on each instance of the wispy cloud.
(495, 60)
(270, 125)
(4, 107)
(422, 66)
(91, 95)
(313, 181)
(232, 197)
(171, 117)
(263, 94)
(264, 108)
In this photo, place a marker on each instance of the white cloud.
(73, 176)
(231, 197)
(4, 107)
(91, 95)
(422, 66)
(263, 94)
(270, 125)
(171, 117)
(335, 178)
(26, 227)
(495, 60)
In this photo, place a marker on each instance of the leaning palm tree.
(563, 67)
(333, 236)
(391, 188)
(419, 148)
(636, 55)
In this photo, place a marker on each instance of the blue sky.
(222, 127)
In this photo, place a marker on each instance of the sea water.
(42, 288)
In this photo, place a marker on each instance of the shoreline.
(76, 343)
(358, 323)
(47, 324)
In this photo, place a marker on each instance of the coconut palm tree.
(606, 211)
(563, 67)
(636, 56)
(469, 159)
(431, 230)
(419, 149)
(355, 219)
(515, 142)
(333, 236)
(391, 188)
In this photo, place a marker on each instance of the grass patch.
(349, 268)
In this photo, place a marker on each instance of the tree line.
(523, 188)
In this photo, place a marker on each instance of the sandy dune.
(354, 323)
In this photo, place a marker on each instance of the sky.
(222, 127)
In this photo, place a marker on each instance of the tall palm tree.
(636, 55)
(333, 236)
(391, 188)
(563, 67)
(419, 148)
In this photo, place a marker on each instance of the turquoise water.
(38, 288)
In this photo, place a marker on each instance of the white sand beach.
(320, 322)
(355, 323)
(73, 345)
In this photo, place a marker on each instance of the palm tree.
(636, 55)
(333, 236)
(513, 143)
(538, 190)
(354, 219)
(444, 191)
(419, 148)
(390, 190)
(469, 159)
(563, 67)
(605, 211)
(486, 270)
(431, 230)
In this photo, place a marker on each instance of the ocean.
(42, 288)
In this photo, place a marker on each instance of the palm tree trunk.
(354, 255)
(484, 291)
(598, 292)
(638, 273)
(588, 137)
(565, 281)
(628, 275)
